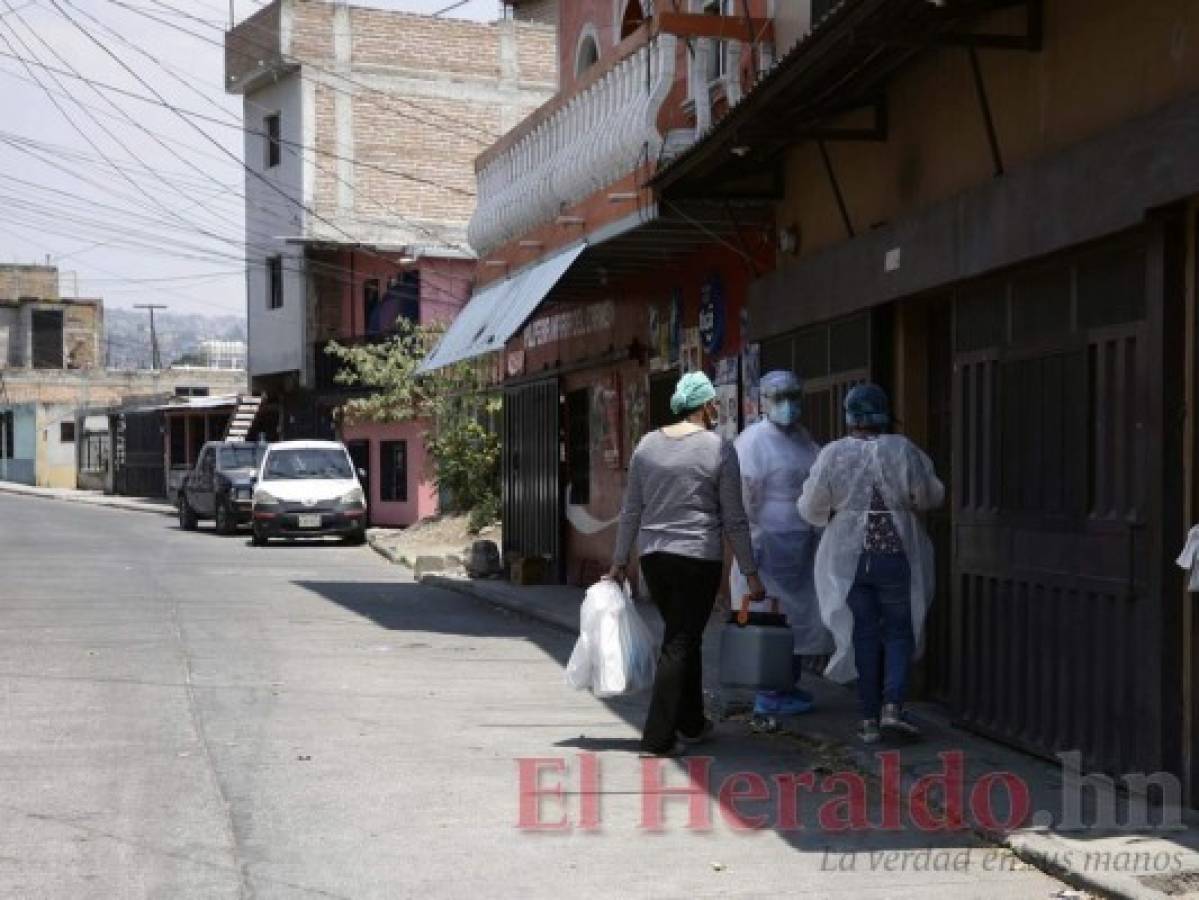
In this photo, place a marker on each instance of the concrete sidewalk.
(1147, 864)
(95, 498)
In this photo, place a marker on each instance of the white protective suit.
(840, 487)
(774, 464)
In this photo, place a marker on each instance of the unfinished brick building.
(40, 329)
(362, 126)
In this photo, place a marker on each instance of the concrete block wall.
(8, 325)
(18, 282)
(83, 325)
(254, 45)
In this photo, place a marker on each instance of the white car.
(308, 489)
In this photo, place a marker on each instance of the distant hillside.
(127, 333)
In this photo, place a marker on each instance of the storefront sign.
(589, 319)
(636, 412)
(605, 421)
(711, 315)
(728, 396)
(751, 378)
(665, 326)
(692, 350)
(516, 363)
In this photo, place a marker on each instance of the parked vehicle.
(221, 486)
(307, 489)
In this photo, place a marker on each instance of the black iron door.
(532, 473)
(360, 456)
(1056, 600)
(141, 459)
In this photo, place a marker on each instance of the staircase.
(243, 418)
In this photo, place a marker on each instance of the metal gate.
(140, 464)
(1056, 597)
(532, 473)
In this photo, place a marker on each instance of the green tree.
(457, 401)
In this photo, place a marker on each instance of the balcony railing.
(576, 144)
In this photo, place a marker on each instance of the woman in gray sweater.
(684, 490)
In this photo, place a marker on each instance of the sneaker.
(868, 732)
(705, 733)
(780, 703)
(675, 749)
(894, 720)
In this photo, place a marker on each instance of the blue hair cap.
(867, 406)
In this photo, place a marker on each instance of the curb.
(103, 501)
(389, 555)
(466, 589)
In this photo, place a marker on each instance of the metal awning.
(498, 311)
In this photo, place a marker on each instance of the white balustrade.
(598, 137)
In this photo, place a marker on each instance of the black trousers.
(684, 590)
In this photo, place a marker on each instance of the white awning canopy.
(498, 311)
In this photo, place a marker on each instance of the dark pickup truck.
(221, 486)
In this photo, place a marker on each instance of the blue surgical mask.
(785, 413)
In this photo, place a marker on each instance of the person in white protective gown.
(775, 455)
(874, 566)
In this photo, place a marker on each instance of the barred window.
(393, 471)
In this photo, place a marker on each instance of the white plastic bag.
(614, 655)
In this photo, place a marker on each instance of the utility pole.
(156, 363)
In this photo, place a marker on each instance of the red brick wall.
(312, 30)
(434, 141)
(425, 102)
(326, 171)
(387, 38)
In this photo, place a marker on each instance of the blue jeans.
(881, 603)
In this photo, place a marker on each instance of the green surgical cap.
(694, 390)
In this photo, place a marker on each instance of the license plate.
(309, 521)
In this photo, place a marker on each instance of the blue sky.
(160, 220)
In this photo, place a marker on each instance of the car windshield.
(308, 462)
(241, 457)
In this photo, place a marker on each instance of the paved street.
(188, 716)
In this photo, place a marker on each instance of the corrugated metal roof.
(498, 311)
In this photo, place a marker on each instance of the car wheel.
(355, 538)
(187, 515)
(259, 538)
(225, 523)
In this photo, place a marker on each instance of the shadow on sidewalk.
(804, 784)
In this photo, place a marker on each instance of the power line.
(170, 211)
(108, 160)
(254, 173)
(110, 163)
(204, 117)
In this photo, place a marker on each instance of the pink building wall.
(445, 286)
(422, 493)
